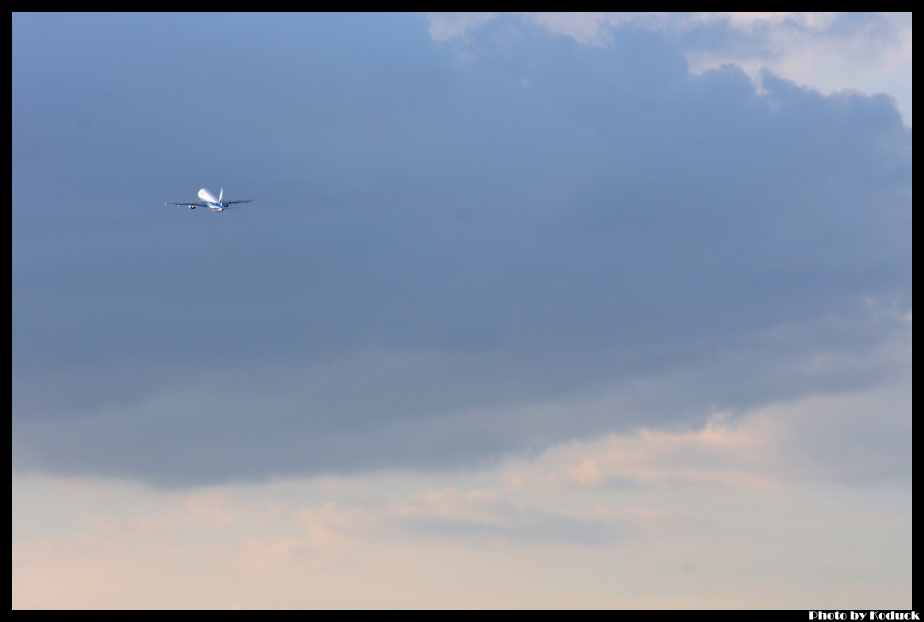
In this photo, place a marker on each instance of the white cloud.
(820, 51)
(445, 26)
(825, 51)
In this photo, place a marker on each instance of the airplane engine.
(192, 207)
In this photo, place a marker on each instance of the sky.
(539, 310)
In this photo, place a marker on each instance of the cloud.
(825, 51)
(828, 52)
(763, 510)
(491, 514)
(458, 256)
(446, 26)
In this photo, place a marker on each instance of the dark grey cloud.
(447, 233)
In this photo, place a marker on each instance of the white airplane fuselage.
(209, 199)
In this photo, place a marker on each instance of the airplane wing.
(226, 203)
(186, 204)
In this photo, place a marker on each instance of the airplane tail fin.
(221, 194)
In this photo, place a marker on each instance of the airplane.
(209, 201)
